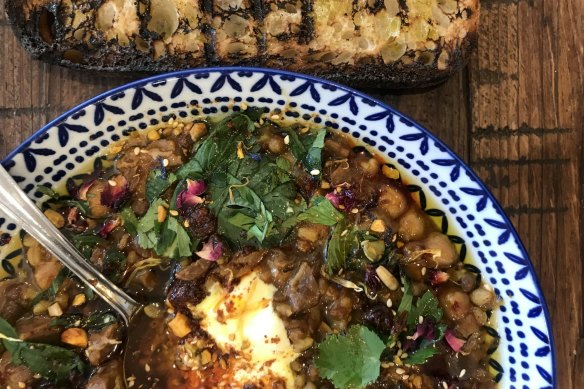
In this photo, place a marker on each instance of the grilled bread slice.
(381, 43)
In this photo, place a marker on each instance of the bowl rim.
(271, 71)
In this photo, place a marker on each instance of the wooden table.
(515, 114)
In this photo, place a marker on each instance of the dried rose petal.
(425, 330)
(438, 277)
(82, 191)
(114, 196)
(72, 215)
(211, 250)
(190, 196)
(108, 227)
(372, 280)
(454, 342)
(344, 199)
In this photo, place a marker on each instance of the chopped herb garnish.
(54, 363)
(350, 360)
(341, 246)
(158, 181)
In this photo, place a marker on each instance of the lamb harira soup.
(268, 254)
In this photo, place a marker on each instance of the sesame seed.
(275, 117)
(345, 232)
(404, 355)
(174, 212)
(354, 210)
(389, 303)
(444, 385)
(147, 368)
(112, 182)
(165, 162)
(400, 371)
(186, 224)
(243, 106)
(399, 354)
(420, 319)
(424, 271)
(287, 139)
(304, 130)
(136, 150)
(315, 172)
(462, 373)
(21, 384)
(405, 377)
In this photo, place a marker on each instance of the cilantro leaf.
(421, 355)
(341, 246)
(406, 302)
(168, 239)
(158, 181)
(426, 306)
(52, 362)
(130, 220)
(351, 360)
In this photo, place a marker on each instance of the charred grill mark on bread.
(391, 43)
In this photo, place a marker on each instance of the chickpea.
(455, 303)
(370, 167)
(393, 202)
(411, 225)
(439, 241)
(336, 148)
(276, 144)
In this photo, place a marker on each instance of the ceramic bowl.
(448, 190)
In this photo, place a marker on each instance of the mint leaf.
(52, 362)
(351, 360)
(308, 148)
(158, 181)
(322, 212)
(341, 246)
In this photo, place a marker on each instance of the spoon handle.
(15, 204)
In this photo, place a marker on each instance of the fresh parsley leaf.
(322, 212)
(351, 360)
(52, 362)
(168, 239)
(341, 246)
(158, 181)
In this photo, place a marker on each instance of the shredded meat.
(195, 270)
(102, 344)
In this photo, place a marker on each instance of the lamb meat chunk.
(302, 289)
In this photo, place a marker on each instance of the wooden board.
(515, 115)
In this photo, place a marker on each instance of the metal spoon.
(15, 204)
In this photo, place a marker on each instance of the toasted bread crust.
(366, 43)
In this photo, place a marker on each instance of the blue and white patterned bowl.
(448, 190)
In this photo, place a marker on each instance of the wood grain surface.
(515, 115)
